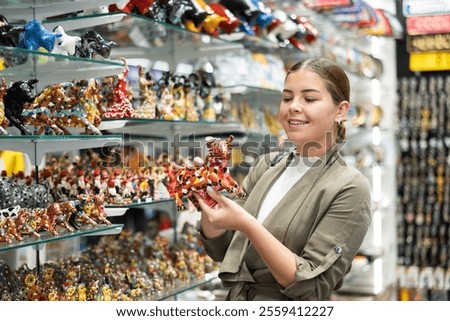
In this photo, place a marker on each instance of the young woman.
(295, 235)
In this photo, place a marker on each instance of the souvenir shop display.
(83, 92)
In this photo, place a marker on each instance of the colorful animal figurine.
(213, 171)
(229, 22)
(65, 45)
(9, 35)
(246, 11)
(18, 94)
(36, 36)
(92, 44)
(130, 6)
(3, 120)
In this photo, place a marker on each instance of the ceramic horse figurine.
(213, 171)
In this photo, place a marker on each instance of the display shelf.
(259, 98)
(37, 146)
(120, 209)
(41, 9)
(263, 45)
(182, 287)
(47, 237)
(49, 68)
(164, 129)
(138, 37)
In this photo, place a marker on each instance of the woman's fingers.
(200, 201)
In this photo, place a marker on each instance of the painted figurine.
(147, 96)
(36, 36)
(65, 45)
(213, 171)
(120, 106)
(17, 96)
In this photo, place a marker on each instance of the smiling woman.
(315, 102)
(305, 216)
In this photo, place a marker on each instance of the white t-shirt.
(293, 172)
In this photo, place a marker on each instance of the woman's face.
(308, 113)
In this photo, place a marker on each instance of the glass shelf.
(49, 68)
(24, 10)
(139, 37)
(163, 129)
(120, 209)
(47, 237)
(36, 146)
(179, 288)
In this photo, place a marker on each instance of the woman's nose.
(295, 106)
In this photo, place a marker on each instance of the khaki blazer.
(323, 220)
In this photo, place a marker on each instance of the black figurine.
(9, 35)
(20, 93)
(92, 44)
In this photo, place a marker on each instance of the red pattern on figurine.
(211, 172)
(121, 106)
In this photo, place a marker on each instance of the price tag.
(429, 61)
(425, 25)
(437, 42)
(425, 7)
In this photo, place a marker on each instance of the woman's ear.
(341, 114)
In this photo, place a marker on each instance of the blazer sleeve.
(335, 241)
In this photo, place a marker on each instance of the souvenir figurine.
(179, 103)
(229, 22)
(29, 282)
(60, 216)
(18, 94)
(9, 231)
(65, 45)
(36, 36)
(190, 95)
(209, 113)
(69, 293)
(210, 22)
(97, 209)
(131, 6)
(166, 100)
(161, 191)
(120, 106)
(81, 184)
(147, 96)
(245, 10)
(92, 44)
(212, 171)
(24, 223)
(282, 30)
(81, 292)
(3, 120)
(9, 35)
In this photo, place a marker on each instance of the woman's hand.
(228, 215)
(225, 215)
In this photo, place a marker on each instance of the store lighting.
(376, 183)
(376, 97)
(376, 136)
(377, 228)
(206, 39)
(378, 275)
(375, 45)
